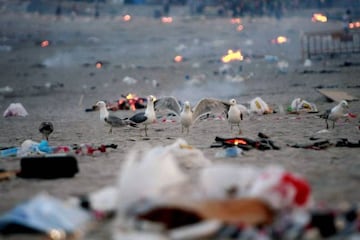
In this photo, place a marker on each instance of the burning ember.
(318, 17)
(240, 28)
(166, 19)
(98, 65)
(131, 101)
(232, 56)
(178, 59)
(235, 21)
(44, 43)
(279, 40)
(354, 25)
(126, 18)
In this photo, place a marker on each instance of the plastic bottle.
(9, 152)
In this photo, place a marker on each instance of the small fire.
(232, 56)
(354, 25)
(178, 59)
(236, 141)
(44, 43)
(279, 40)
(98, 65)
(318, 17)
(126, 18)
(166, 19)
(240, 28)
(235, 21)
(132, 99)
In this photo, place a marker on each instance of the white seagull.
(188, 115)
(111, 120)
(147, 117)
(235, 113)
(333, 114)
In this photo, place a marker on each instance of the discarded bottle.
(9, 152)
(229, 152)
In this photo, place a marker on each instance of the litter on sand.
(336, 95)
(15, 110)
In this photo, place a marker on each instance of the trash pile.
(175, 192)
(299, 105)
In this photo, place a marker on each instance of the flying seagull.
(187, 114)
(111, 120)
(147, 117)
(333, 114)
(46, 128)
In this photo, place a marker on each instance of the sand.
(144, 49)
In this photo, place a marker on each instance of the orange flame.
(235, 20)
(318, 17)
(132, 98)
(354, 25)
(232, 56)
(166, 19)
(279, 40)
(126, 18)
(178, 59)
(45, 43)
(239, 141)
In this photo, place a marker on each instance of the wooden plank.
(336, 95)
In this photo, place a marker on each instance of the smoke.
(211, 89)
(59, 60)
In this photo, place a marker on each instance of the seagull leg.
(110, 130)
(327, 125)
(239, 129)
(333, 124)
(146, 130)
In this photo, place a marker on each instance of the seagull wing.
(170, 103)
(115, 121)
(138, 117)
(207, 105)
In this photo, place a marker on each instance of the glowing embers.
(99, 64)
(354, 25)
(319, 17)
(280, 40)
(131, 102)
(167, 20)
(126, 18)
(232, 56)
(178, 59)
(235, 21)
(45, 43)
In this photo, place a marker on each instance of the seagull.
(146, 117)
(46, 128)
(333, 114)
(234, 114)
(187, 114)
(111, 120)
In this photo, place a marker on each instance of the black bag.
(48, 166)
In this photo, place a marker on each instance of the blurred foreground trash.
(46, 215)
(15, 109)
(154, 188)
